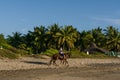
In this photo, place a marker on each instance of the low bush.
(4, 53)
(78, 54)
(50, 52)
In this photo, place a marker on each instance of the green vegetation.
(12, 53)
(78, 54)
(8, 51)
(50, 52)
(4, 53)
(48, 40)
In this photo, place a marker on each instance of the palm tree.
(98, 36)
(92, 36)
(113, 38)
(29, 41)
(52, 30)
(66, 37)
(78, 42)
(86, 39)
(16, 39)
(39, 35)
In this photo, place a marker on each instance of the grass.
(50, 52)
(10, 52)
(4, 53)
(13, 53)
(78, 54)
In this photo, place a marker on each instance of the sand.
(29, 68)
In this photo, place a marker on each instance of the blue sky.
(24, 15)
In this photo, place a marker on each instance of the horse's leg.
(50, 62)
(65, 61)
(54, 62)
(61, 61)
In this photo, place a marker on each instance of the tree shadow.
(36, 62)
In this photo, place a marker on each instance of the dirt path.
(79, 69)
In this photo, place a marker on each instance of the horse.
(58, 57)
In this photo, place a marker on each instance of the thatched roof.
(93, 48)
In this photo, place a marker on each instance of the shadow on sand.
(36, 62)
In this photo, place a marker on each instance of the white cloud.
(108, 20)
(23, 30)
(23, 20)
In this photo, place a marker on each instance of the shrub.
(4, 53)
(50, 52)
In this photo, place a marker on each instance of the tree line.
(68, 37)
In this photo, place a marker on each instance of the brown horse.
(58, 57)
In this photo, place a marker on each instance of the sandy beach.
(29, 68)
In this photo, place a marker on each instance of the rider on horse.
(61, 52)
